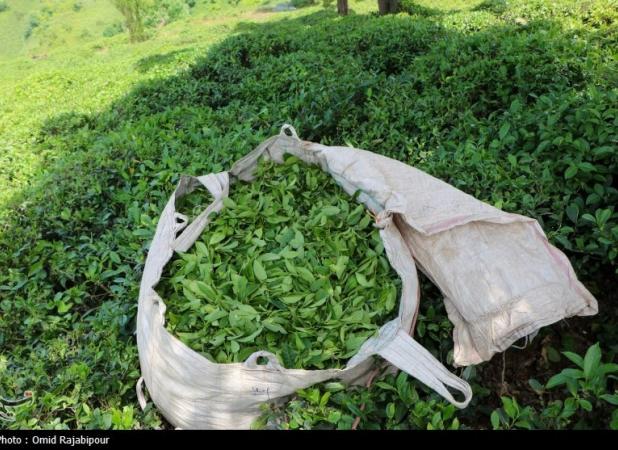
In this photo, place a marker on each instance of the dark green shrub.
(302, 3)
(166, 11)
(589, 402)
(113, 29)
(493, 6)
(33, 23)
(414, 9)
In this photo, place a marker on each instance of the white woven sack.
(500, 277)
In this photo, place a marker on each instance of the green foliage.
(589, 379)
(413, 8)
(517, 108)
(588, 403)
(3, 6)
(134, 12)
(291, 265)
(392, 402)
(113, 29)
(162, 12)
(302, 3)
(493, 6)
(33, 23)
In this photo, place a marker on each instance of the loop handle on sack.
(181, 221)
(273, 363)
(289, 130)
(397, 347)
(218, 185)
(411, 357)
(139, 388)
(527, 340)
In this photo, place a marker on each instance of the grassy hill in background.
(34, 27)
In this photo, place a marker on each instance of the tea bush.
(587, 388)
(33, 23)
(166, 11)
(113, 29)
(515, 106)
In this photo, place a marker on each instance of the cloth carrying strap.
(396, 346)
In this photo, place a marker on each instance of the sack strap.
(218, 186)
(397, 347)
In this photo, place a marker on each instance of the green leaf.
(575, 358)
(291, 299)
(572, 212)
(229, 203)
(553, 354)
(585, 404)
(114, 257)
(602, 216)
(510, 407)
(64, 307)
(495, 420)
(454, 424)
(107, 421)
(258, 270)
(334, 386)
(605, 369)
(385, 386)
(570, 172)
(504, 130)
(592, 361)
(436, 420)
(216, 237)
(273, 326)
(556, 380)
(523, 424)
(589, 218)
(586, 167)
(535, 385)
(334, 417)
(569, 408)
(252, 336)
(305, 274)
(363, 281)
(573, 373)
(201, 250)
(572, 386)
(390, 410)
(330, 210)
(614, 423)
(216, 315)
(604, 150)
(610, 398)
(204, 290)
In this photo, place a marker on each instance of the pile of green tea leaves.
(291, 264)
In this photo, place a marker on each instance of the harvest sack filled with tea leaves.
(291, 265)
(261, 293)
